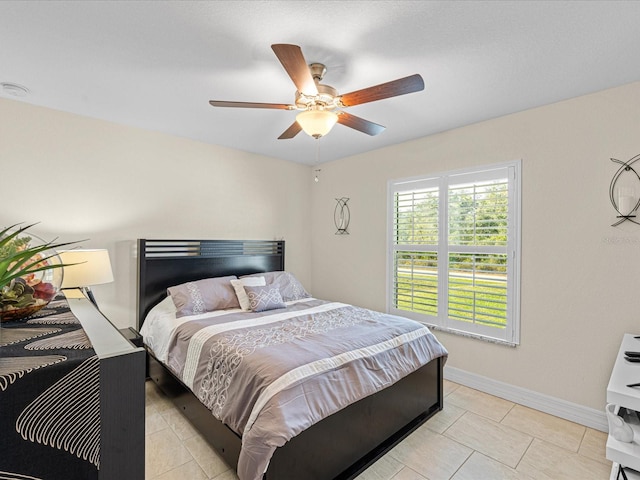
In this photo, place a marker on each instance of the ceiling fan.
(321, 105)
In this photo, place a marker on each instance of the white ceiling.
(156, 65)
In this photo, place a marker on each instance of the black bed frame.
(342, 445)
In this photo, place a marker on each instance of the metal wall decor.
(626, 202)
(341, 216)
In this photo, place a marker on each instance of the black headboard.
(165, 263)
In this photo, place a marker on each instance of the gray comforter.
(270, 375)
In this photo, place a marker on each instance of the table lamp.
(87, 267)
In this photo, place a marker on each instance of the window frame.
(510, 335)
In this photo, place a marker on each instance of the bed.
(338, 441)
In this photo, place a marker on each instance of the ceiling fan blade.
(279, 106)
(402, 86)
(360, 124)
(291, 132)
(293, 61)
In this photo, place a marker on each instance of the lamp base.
(80, 292)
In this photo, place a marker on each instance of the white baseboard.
(586, 416)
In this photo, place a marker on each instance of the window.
(454, 256)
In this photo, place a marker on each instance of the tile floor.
(477, 436)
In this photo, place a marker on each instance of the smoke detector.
(14, 89)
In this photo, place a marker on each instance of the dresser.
(122, 395)
(627, 402)
(72, 396)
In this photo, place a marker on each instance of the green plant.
(17, 258)
(19, 264)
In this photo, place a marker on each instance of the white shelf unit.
(631, 474)
(624, 397)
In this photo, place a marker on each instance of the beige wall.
(84, 178)
(580, 276)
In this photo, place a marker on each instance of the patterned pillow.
(201, 296)
(239, 287)
(289, 286)
(264, 298)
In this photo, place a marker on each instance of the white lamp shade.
(93, 267)
(316, 123)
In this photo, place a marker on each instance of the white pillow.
(238, 286)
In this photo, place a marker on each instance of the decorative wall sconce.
(623, 197)
(341, 216)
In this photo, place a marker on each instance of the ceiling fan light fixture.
(320, 105)
(316, 123)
